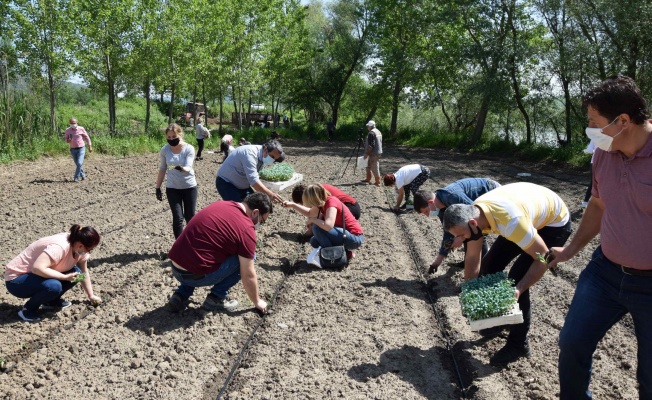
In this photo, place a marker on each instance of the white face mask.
(73, 126)
(82, 253)
(434, 213)
(268, 160)
(601, 140)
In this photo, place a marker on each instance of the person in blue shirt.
(464, 191)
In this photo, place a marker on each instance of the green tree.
(44, 40)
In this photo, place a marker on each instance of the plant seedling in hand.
(546, 258)
(79, 278)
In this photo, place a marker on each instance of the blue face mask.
(268, 160)
(434, 213)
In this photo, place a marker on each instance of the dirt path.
(379, 329)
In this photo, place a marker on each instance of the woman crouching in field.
(48, 268)
(324, 212)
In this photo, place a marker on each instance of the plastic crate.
(515, 317)
(278, 186)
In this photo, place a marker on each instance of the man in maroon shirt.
(618, 279)
(217, 248)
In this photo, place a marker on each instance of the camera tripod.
(356, 152)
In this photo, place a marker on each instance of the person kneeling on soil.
(217, 249)
(348, 200)
(407, 179)
(530, 219)
(463, 191)
(48, 268)
(324, 212)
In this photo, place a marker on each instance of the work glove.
(159, 194)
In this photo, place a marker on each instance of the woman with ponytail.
(48, 268)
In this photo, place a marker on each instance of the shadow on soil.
(124, 259)
(161, 320)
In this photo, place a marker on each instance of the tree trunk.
(171, 109)
(53, 122)
(194, 102)
(567, 110)
(509, 113)
(395, 104)
(111, 87)
(481, 120)
(148, 103)
(221, 111)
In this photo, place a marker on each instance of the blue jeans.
(78, 157)
(604, 294)
(183, 203)
(222, 280)
(228, 191)
(334, 238)
(39, 290)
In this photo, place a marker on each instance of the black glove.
(178, 168)
(159, 194)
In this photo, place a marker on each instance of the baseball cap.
(371, 123)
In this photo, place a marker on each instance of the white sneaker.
(313, 257)
(584, 204)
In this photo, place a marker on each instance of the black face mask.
(173, 142)
(474, 235)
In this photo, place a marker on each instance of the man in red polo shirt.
(217, 248)
(618, 279)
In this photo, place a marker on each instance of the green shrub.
(277, 173)
(487, 296)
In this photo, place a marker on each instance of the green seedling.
(277, 173)
(546, 258)
(79, 278)
(488, 296)
(3, 361)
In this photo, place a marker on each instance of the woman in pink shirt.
(48, 268)
(75, 136)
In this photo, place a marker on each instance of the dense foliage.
(457, 73)
(277, 172)
(487, 296)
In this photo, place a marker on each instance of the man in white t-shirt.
(408, 180)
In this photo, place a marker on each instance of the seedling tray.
(278, 186)
(515, 317)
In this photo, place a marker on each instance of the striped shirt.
(516, 211)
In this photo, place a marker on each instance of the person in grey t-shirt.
(177, 158)
(238, 175)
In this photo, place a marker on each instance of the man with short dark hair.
(618, 279)
(217, 248)
(529, 219)
(238, 175)
(463, 191)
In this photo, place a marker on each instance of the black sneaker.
(29, 316)
(509, 353)
(459, 264)
(177, 303)
(402, 207)
(59, 304)
(214, 303)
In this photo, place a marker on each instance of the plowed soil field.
(380, 329)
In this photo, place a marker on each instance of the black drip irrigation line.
(447, 338)
(245, 347)
(250, 339)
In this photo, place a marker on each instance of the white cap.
(371, 123)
